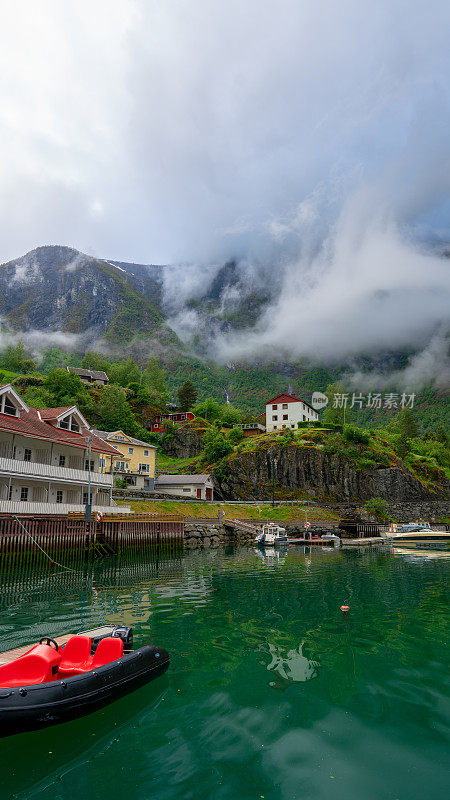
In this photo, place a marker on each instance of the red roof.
(289, 398)
(285, 398)
(31, 424)
(53, 413)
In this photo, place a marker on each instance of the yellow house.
(138, 462)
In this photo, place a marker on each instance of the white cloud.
(308, 140)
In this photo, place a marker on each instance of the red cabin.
(175, 417)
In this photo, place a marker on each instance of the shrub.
(356, 435)
(378, 507)
(288, 436)
(216, 446)
(366, 463)
(235, 435)
(401, 444)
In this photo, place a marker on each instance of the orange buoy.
(345, 609)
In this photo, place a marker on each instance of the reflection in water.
(291, 665)
(272, 555)
(419, 554)
(271, 690)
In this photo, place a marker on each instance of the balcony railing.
(31, 469)
(22, 507)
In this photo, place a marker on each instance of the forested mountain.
(124, 309)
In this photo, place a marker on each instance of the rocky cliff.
(186, 444)
(249, 475)
(60, 289)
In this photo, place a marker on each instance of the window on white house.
(275, 427)
(62, 461)
(284, 405)
(186, 490)
(59, 496)
(64, 423)
(285, 416)
(86, 498)
(86, 465)
(145, 452)
(74, 426)
(274, 408)
(9, 408)
(27, 455)
(275, 419)
(24, 493)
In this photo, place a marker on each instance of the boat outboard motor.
(126, 634)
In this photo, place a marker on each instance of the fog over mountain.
(305, 142)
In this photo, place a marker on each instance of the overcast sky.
(178, 130)
(306, 138)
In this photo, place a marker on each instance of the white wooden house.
(47, 457)
(286, 411)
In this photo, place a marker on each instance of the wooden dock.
(59, 538)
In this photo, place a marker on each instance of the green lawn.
(169, 464)
(7, 377)
(255, 511)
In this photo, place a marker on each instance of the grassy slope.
(168, 464)
(254, 511)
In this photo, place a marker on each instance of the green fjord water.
(271, 692)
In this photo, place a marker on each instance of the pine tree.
(187, 396)
(407, 424)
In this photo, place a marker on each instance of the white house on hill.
(286, 410)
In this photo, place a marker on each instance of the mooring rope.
(69, 569)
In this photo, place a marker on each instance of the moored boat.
(272, 535)
(51, 682)
(412, 534)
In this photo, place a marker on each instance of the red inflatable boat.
(52, 682)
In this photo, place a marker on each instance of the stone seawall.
(203, 534)
(402, 511)
(214, 534)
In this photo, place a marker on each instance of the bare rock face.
(248, 476)
(185, 444)
(57, 288)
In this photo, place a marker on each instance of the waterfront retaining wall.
(402, 511)
(203, 534)
(213, 534)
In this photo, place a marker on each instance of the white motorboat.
(272, 535)
(417, 533)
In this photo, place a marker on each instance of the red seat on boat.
(109, 649)
(38, 665)
(76, 656)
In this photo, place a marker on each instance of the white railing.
(22, 507)
(31, 469)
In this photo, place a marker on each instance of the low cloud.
(429, 367)
(35, 340)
